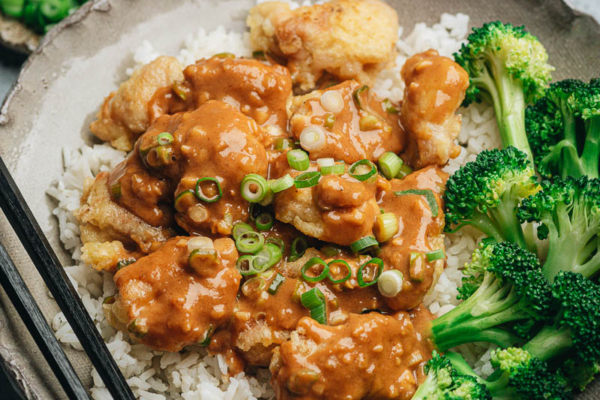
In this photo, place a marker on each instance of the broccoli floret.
(569, 211)
(518, 376)
(563, 129)
(508, 67)
(579, 375)
(485, 193)
(575, 331)
(510, 289)
(445, 383)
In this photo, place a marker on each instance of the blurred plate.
(85, 57)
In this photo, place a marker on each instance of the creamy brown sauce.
(222, 120)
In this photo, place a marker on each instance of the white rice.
(192, 374)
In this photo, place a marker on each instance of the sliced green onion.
(207, 337)
(332, 101)
(268, 199)
(200, 193)
(282, 184)
(390, 283)
(203, 260)
(336, 169)
(277, 242)
(267, 257)
(364, 244)
(259, 55)
(284, 143)
(245, 265)
(249, 242)
(435, 255)
(404, 170)
(298, 249)
(123, 263)
(138, 328)
(312, 138)
(308, 266)
(115, 191)
(428, 196)
(307, 179)
(389, 164)
(389, 107)
(163, 155)
(319, 314)
(329, 121)
(345, 277)
(330, 251)
(386, 227)
(278, 281)
(298, 159)
(417, 267)
(239, 228)
(164, 138)
(224, 55)
(325, 162)
(253, 287)
(264, 221)
(356, 95)
(312, 298)
(360, 274)
(369, 122)
(253, 188)
(180, 90)
(184, 197)
(362, 170)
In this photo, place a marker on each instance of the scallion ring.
(264, 221)
(435, 255)
(249, 242)
(282, 184)
(389, 107)
(277, 242)
(389, 164)
(298, 159)
(284, 143)
(200, 192)
(187, 196)
(319, 314)
(164, 138)
(360, 275)
(312, 138)
(357, 97)
(277, 282)
(245, 265)
(364, 244)
(268, 256)
(433, 205)
(307, 179)
(390, 283)
(308, 266)
(254, 188)
(312, 298)
(332, 101)
(362, 170)
(404, 170)
(298, 249)
(253, 287)
(336, 169)
(386, 226)
(329, 121)
(325, 162)
(239, 228)
(345, 265)
(268, 199)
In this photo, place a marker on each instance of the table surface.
(10, 64)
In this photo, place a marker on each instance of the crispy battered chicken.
(435, 88)
(124, 115)
(111, 233)
(350, 39)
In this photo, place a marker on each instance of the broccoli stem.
(505, 218)
(591, 149)
(550, 343)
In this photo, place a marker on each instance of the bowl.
(65, 80)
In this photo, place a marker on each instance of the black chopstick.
(32, 316)
(45, 260)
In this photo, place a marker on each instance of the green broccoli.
(445, 383)
(518, 376)
(575, 332)
(508, 67)
(563, 129)
(569, 211)
(485, 193)
(505, 286)
(578, 374)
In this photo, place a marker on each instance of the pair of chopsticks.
(45, 260)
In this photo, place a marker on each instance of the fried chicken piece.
(125, 114)
(421, 231)
(339, 209)
(258, 90)
(355, 123)
(102, 220)
(350, 39)
(435, 88)
(371, 356)
(174, 297)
